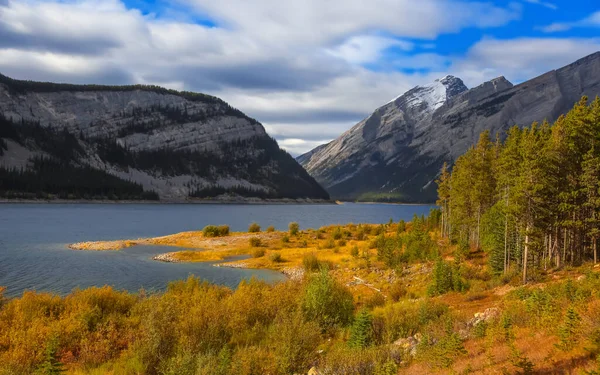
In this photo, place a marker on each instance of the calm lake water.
(34, 239)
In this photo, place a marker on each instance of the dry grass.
(370, 280)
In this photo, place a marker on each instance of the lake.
(34, 239)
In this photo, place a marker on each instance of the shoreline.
(395, 203)
(249, 201)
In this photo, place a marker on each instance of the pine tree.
(444, 198)
(361, 331)
(533, 199)
(51, 365)
(484, 182)
(507, 170)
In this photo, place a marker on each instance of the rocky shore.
(166, 257)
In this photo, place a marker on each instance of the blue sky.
(309, 69)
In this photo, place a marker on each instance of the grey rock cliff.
(194, 130)
(398, 150)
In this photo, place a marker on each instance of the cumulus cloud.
(90, 27)
(308, 70)
(366, 48)
(322, 22)
(520, 59)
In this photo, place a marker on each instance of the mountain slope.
(178, 144)
(397, 152)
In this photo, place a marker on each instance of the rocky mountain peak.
(430, 97)
(397, 152)
(454, 85)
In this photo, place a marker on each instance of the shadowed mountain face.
(396, 153)
(177, 144)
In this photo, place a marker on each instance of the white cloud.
(520, 59)
(543, 3)
(297, 146)
(364, 49)
(324, 22)
(592, 20)
(295, 66)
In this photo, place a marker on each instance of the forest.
(530, 198)
(48, 178)
(258, 160)
(58, 174)
(231, 158)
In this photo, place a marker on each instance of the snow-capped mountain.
(397, 151)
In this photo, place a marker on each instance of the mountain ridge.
(178, 144)
(413, 141)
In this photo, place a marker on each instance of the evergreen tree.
(361, 331)
(51, 365)
(443, 199)
(532, 200)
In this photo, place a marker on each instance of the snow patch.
(433, 94)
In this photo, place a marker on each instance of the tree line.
(258, 160)
(49, 178)
(531, 198)
(59, 173)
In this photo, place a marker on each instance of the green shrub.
(285, 239)
(443, 352)
(327, 302)
(342, 243)
(397, 291)
(360, 233)
(258, 253)
(294, 228)
(329, 244)
(215, 231)
(446, 278)
(342, 360)
(295, 343)
(311, 263)
(223, 230)
(386, 368)
(254, 228)
(354, 251)
(568, 332)
(51, 365)
(255, 242)
(389, 249)
(401, 226)
(337, 233)
(276, 257)
(361, 332)
(375, 300)
(406, 318)
(270, 229)
(480, 330)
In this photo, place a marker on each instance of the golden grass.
(237, 243)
